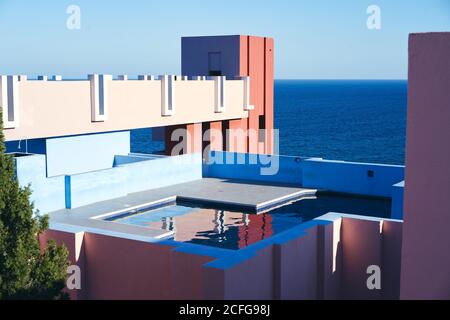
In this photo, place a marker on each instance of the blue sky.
(320, 39)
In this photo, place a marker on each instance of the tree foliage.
(27, 271)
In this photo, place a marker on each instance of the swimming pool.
(235, 230)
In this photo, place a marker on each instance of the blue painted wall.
(78, 154)
(47, 193)
(351, 177)
(315, 173)
(243, 166)
(397, 200)
(195, 55)
(130, 177)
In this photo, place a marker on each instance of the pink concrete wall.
(297, 266)
(214, 283)
(361, 248)
(187, 276)
(326, 261)
(425, 270)
(74, 243)
(128, 269)
(252, 279)
(391, 259)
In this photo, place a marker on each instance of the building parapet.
(53, 106)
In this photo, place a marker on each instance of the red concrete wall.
(425, 270)
(235, 128)
(195, 137)
(257, 61)
(269, 93)
(216, 140)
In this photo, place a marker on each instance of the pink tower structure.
(425, 270)
(233, 56)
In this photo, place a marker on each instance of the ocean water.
(352, 120)
(362, 121)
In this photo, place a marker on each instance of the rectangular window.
(215, 63)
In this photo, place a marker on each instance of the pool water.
(236, 230)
